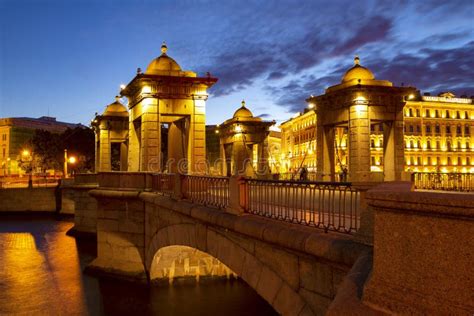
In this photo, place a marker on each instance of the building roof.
(358, 72)
(116, 109)
(164, 65)
(44, 122)
(243, 112)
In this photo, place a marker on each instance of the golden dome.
(162, 64)
(116, 109)
(243, 112)
(358, 72)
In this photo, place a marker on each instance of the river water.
(41, 274)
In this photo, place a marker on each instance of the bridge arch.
(234, 255)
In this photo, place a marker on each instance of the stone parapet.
(423, 255)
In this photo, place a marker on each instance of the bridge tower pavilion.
(356, 105)
(167, 118)
(244, 144)
(111, 138)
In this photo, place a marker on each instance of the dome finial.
(117, 98)
(356, 60)
(243, 103)
(164, 48)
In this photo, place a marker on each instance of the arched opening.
(183, 263)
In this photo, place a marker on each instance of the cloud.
(430, 70)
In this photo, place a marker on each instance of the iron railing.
(163, 183)
(462, 182)
(205, 190)
(328, 205)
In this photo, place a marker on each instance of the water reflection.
(41, 273)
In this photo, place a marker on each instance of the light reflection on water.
(41, 274)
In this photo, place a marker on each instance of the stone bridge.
(296, 269)
(405, 258)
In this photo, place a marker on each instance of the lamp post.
(71, 160)
(26, 156)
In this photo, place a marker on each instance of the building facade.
(16, 132)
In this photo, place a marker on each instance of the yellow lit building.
(437, 136)
(298, 142)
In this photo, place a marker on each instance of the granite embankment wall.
(28, 200)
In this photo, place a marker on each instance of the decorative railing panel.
(327, 205)
(205, 190)
(462, 182)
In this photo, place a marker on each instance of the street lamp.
(26, 156)
(72, 160)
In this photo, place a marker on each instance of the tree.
(48, 148)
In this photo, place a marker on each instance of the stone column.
(262, 158)
(325, 152)
(134, 144)
(240, 158)
(393, 150)
(150, 138)
(197, 138)
(359, 143)
(104, 150)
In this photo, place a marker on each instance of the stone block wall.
(85, 217)
(423, 258)
(28, 199)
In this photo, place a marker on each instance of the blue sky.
(68, 58)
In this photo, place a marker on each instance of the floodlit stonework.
(167, 108)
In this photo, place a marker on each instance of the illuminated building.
(298, 142)
(111, 133)
(244, 144)
(438, 134)
(167, 118)
(16, 132)
(429, 133)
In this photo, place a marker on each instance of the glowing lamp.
(72, 160)
(238, 129)
(25, 153)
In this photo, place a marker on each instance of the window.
(429, 160)
(466, 115)
(459, 161)
(410, 112)
(459, 145)
(428, 145)
(466, 129)
(372, 128)
(458, 129)
(467, 145)
(437, 144)
(437, 129)
(447, 114)
(4, 153)
(418, 112)
(427, 113)
(418, 129)
(411, 128)
(381, 127)
(449, 161)
(436, 113)
(428, 128)
(412, 160)
(418, 144)
(438, 160)
(418, 160)
(448, 129)
(372, 143)
(448, 144)
(458, 115)
(468, 160)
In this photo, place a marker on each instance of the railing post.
(237, 191)
(178, 186)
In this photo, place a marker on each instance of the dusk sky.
(68, 58)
